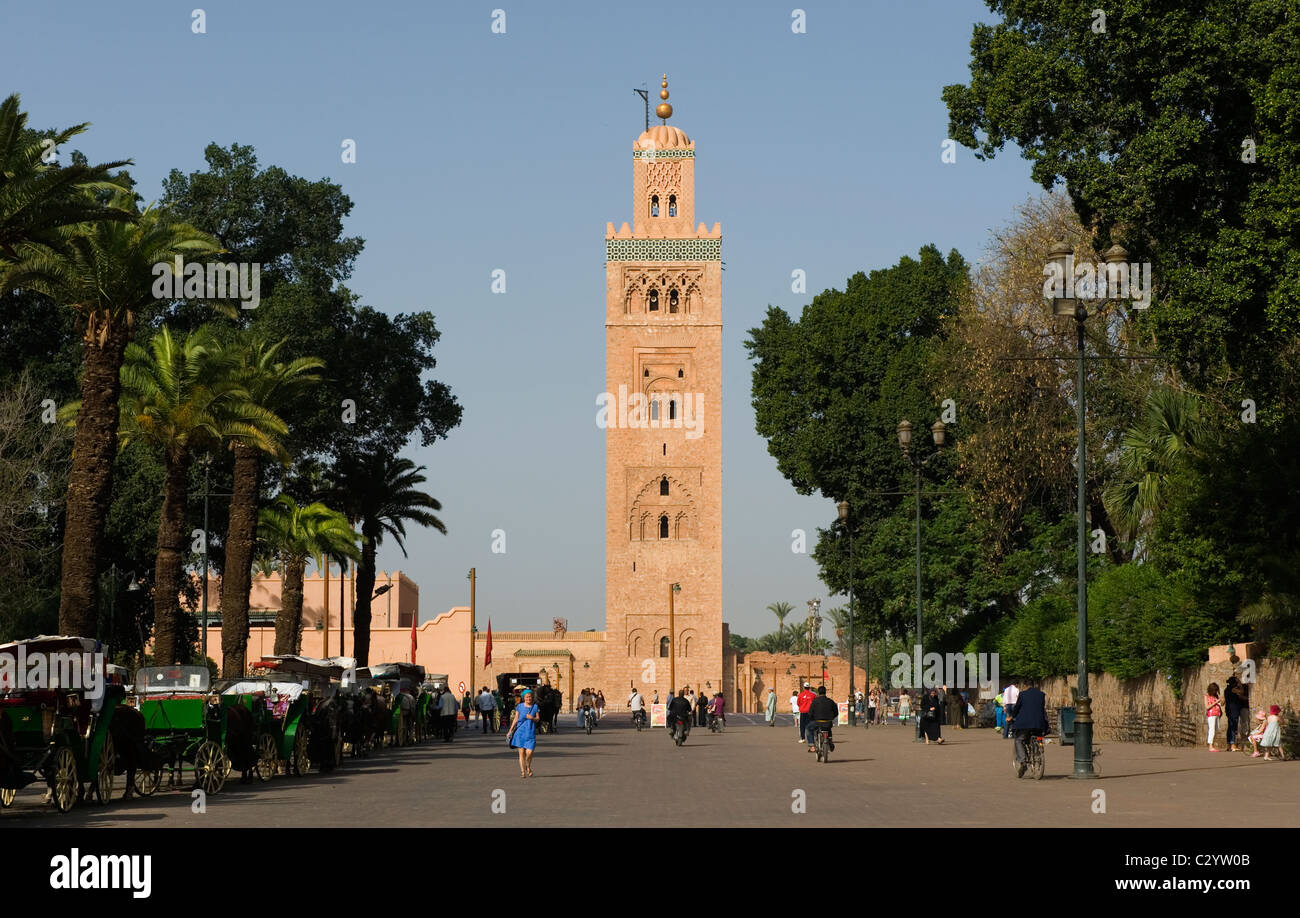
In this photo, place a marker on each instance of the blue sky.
(478, 151)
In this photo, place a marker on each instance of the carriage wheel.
(301, 758)
(7, 797)
(146, 782)
(267, 757)
(211, 765)
(106, 774)
(63, 783)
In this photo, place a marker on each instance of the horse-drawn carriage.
(281, 722)
(56, 711)
(511, 687)
(326, 716)
(182, 722)
(398, 685)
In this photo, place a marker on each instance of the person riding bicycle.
(822, 714)
(1029, 717)
(718, 708)
(636, 704)
(679, 709)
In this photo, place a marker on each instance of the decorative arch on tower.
(652, 508)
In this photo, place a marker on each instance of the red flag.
(413, 640)
(487, 654)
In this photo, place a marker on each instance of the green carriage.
(281, 712)
(56, 710)
(399, 683)
(185, 723)
(322, 723)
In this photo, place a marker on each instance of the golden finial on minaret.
(664, 110)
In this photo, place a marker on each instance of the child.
(1258, 733)
(1213, 711)
(1272, 738)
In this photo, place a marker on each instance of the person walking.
(794, 709)
(498, 710)
(701, 711)
(1010, 695)
(904, 706)
(486, 705)
(1213, 711)
(448, 709)
(600, 705)
(523, 732)
(931, 716)
(872, 700)
(1235, 701)
(466, 706)
(770, 712)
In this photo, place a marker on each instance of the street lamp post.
(673, 589)
(905, 442)
(843, 509)
(1075, 307)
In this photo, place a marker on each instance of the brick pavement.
(744, 777)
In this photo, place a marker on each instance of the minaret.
(663, 444)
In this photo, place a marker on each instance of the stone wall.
(1146, 710)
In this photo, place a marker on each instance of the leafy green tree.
(829, 390)
(294, 534)
(380, 492)
(1174, 133)
(184, 397)
(102, 272)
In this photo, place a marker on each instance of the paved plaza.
(748, 776)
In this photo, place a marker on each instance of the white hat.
(805, 685)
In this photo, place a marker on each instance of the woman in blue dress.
(523, 734)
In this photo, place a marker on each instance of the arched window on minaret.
(672, 205)
(672, 409)
(672, 300)
(654, 205)
(654, 300)
(663, 646)
(654, 409)
(663, 487)
(663, 526)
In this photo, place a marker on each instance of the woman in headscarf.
(931, 713)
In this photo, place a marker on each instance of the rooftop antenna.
(645, 97)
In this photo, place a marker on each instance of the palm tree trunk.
(167, 569)
(365, 585)
(90, 481)
(288, 621)
(237, 577)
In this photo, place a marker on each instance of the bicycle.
(1035, 763)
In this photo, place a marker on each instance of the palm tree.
(295, 534)
(780, 610)
(1151, 451)
(380, 492)
(270, 384)
(105, 274)
(184, 397)
(38, 198)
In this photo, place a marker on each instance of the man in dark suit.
(1030, 714)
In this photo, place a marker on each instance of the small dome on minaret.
(663, 136)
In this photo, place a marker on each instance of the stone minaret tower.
(663, 436)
